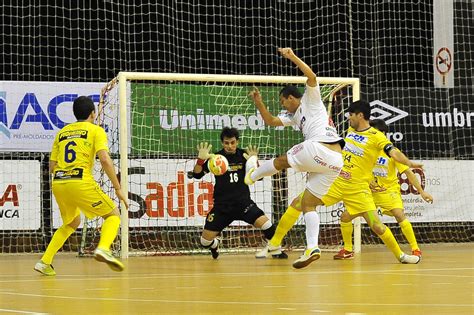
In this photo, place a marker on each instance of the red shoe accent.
(344, 254)
(416, 252)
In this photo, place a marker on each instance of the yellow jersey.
(385, 172)
(74, 149)
(360, 154)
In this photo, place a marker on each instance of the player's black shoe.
(282, 255)
(214, 252)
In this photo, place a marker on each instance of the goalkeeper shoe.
(416, 252)
(273, 251)
(344, 254)
(215, 250)
(309, 255)
(45, 269)
(409, 259)
(248, 180)
(106, 256)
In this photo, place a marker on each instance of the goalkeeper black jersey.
(230, 187)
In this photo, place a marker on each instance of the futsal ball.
(218, 164)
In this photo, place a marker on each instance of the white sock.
(265, 169)
(312, 229)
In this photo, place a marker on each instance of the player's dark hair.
(379, 124)
(82, 107)
(228, 132)
(291, 90)
(360, 107)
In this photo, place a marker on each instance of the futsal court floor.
(372, 283)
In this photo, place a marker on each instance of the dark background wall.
(387, 44)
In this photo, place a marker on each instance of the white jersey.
(311, 117)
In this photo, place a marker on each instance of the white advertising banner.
(32, 112)
(449, 182)
(20, 196)
(162, 195)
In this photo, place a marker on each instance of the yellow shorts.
(356, 201)
(388, 200)
(75, 196)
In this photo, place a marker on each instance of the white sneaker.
(107, 257)
(409, 259)
(308, 257)
(271, 251)
(45, 269)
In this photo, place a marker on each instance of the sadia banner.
(20, 199)
(162, 195)
(32, 112)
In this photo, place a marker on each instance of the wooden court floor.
(372, 283)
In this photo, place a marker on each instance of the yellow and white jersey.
(74, 149)
(360, 154)
(385, 172)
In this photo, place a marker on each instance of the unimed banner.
(20, 203)
(31, 113)
(449, 182)
(162, 195)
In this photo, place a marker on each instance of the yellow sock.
(390, 241)
(407, 230)
(346, 231)
(287, 221)
(59, 237)
(109, 232)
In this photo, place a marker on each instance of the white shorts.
(322, 164)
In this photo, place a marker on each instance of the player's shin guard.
(346, 231)
(108, 232)
(59, 237)
(287, 221)
(407, 230)
(312, 229)
(390, 241)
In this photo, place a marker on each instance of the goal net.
(154, 123)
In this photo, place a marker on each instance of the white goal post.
(122, 83)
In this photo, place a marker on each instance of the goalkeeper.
(231, 195)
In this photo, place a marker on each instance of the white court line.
(286, 309)
(92, 277)
(21, 312)
(318, 311)
(128, 300)
(142, 288)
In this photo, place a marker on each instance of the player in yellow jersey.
(363, 145)
(71, 162)
(386, 190)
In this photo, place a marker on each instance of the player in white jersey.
(319, 154)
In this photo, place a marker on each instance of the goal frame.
(122, 79)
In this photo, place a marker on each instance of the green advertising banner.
(171, 119)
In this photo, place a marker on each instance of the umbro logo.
(387, 113)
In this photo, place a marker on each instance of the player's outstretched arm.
(289, 54)
(416, 183)
(268, 118)
(398, 156)
(109, 169)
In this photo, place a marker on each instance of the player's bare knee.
(346, 217)
(378, 228)
(281, 162)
